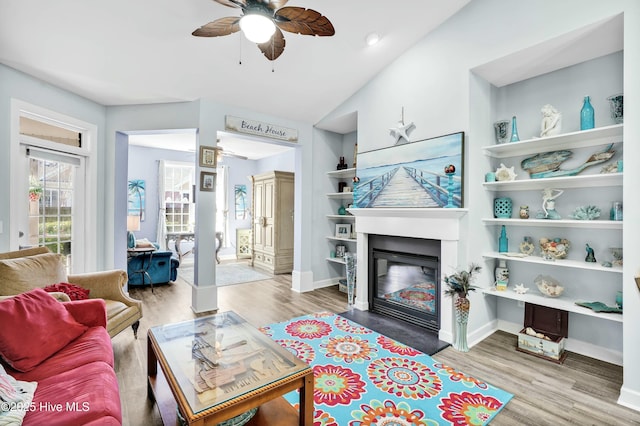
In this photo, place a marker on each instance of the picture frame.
(208, 156)
(420, 167)
(341, 250)
(343, 230)
(136, 198)
(207, 182)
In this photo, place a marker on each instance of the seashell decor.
(548, 286)
(586, 213)
(556, 248)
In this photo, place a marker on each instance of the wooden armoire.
(273, 221)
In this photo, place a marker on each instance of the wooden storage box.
(551, 322)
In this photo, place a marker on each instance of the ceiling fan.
(262, 21)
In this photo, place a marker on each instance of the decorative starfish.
(402, 130)
(521, 289)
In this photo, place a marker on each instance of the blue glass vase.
(587, 120)
(514, 130)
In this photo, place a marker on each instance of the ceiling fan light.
(257, 28)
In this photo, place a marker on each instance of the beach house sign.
(259, 128)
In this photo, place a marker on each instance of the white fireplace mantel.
(433, 213)
(442, 224)
(432, 223)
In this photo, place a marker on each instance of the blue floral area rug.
(364, 378)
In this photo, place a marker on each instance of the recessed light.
(372, 39)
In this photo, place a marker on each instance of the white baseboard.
(629, 398)
(325, 283)
(204, 299)
(480, 334)
(302, 281)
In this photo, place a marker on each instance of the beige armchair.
(24, 270)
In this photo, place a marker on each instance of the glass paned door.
(51, 200)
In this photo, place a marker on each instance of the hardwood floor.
(581, 391)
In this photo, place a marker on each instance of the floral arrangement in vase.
(459, 284)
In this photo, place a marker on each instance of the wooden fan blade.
(273, 48)
(274, 4)
(303, 21)
(219, 27)
(232, 3)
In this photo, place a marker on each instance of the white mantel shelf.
(427, 213)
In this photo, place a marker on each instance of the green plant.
(35, 191)
(460, 282)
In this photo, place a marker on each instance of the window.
(179, 180)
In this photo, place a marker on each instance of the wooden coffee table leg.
(306, 401)
(152, 368)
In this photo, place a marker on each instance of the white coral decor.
(504, 173)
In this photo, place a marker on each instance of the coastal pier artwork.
(411, 175)
(406, 186)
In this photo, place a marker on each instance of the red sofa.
(77, 384)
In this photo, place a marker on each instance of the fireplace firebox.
(404, 279)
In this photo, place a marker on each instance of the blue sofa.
(163, 268)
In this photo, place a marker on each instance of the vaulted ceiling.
(123, 52)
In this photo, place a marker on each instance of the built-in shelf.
(341, 216)
(562, 223)
(562, 303)
(580, 139)
(352, 240)
(344, 173)
(565, 263)
(344, 198)
(565, 182)
(340, 195)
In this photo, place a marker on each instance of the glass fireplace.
(404, 279)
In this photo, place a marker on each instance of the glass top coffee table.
(219, 367)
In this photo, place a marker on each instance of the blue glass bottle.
(587, 120)
(503, 241)
(514, 130)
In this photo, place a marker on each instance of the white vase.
(502, 276)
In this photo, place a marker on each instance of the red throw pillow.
(73, 291)
(34, 327)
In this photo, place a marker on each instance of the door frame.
(19, 164)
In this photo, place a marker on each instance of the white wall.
(433, 82)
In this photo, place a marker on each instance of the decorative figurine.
(402, 131)
(524, 212)
(590, 254)
(549, 205)
(547, 164)
(551, 121)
